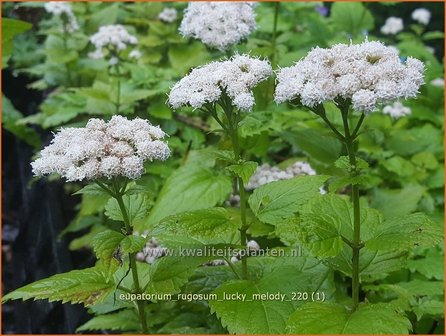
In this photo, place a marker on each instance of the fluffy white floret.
(265, 174)
(114, 37)
(60, 8)
(218, 24)
(168, 15)
(236, 76)
(102, 150)
(439, 82)
(421, 15)
(392, 26)
(368, 73)
(397, 110)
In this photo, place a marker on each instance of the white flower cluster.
(236, 76)
(392, 26)
(265, 174)
(60, 8)
(421, 15)
(252, 248)
(151, 251)
(397, 110)
(218, 24)
(439, 82)
(102, 150)
(368, 73)
(112, 37)
(168, 15)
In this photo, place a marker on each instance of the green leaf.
(351, 17)
(10, 118)
(397, 202)
(252, 315)
(86, 286)
(431, 266)
(321, 234)
(105, 245)
(275, 201)
(347, 180)
(92, 189)
(202, 227)
(243, 170)
(133, 244)
(326, 219)
(168, 274)
(183, 57)
(191, 187)
(344, 163)
(322, 148)
(330, 318)
(125, 320)
(107, 15)
(403, 233)
(429, 308)
(10, 29)
(135, 204)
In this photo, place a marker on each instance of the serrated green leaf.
(105, 244)
(243, 170)
(323, 222)
(168, 274)
(403, 233)
(86, 286)
(202, 227)
(321, 234)
(330, 318)
(11, 28)
(133, 244)
(125, 320)
(135, 204)
(344, 163)
(431, 308)
(431, 266)
(284, 276)
(347, 180)
(191, 187)
(275, 201)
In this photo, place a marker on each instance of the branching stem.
(118, 193)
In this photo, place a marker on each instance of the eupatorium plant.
(303, 252)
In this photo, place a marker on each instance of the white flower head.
(439, 82)
(218, 24)
(112, 37)
(135, 53)
(266, 174)
(102, 150)
(392, 26)
(236, 76)
(397, 110)
(368, 73)
(168, 15)
(63, 8)
(421, 15)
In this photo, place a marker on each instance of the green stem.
(65, 45)
(118, 93)
(356, 243)
(274, 34)
(241, 188)
(132, 257)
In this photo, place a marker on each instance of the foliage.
(185, 202)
